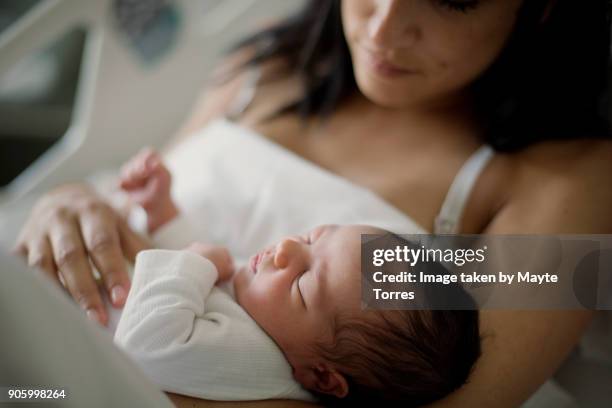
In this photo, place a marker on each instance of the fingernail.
(118, 294)
(93, 315)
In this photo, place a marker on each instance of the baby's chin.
(242, 279)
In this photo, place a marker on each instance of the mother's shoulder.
(559, 187)
(569, 159)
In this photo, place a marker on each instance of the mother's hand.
(67, 228)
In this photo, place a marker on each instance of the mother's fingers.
(40, 256)
(73, 264)
(20, 249)
(131, 242)
(37, 253)
(102, 242)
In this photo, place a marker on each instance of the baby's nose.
(287, 251)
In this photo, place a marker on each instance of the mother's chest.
(414, 178)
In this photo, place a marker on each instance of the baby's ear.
(330, 381)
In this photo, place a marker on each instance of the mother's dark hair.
(549, 82)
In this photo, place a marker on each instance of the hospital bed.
(126, 97)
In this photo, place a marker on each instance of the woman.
(409, 90)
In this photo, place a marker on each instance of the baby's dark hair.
(402, 357)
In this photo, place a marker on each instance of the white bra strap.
(246, 94)
(447, 221)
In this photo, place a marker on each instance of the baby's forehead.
(343, 247)
(342, 260)
(339, 259)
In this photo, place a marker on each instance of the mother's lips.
(384, 66)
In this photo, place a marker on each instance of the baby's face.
(294, 289)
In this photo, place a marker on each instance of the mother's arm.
(561, 188)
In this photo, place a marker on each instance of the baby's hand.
(147, 183)
(219, 256)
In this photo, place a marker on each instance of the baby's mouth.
(254, 262)
(256, 259)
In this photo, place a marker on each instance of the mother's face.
(409, 53)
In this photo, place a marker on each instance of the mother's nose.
(393, 25)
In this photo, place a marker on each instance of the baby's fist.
(218, 255)
(147, 180)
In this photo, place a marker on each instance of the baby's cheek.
(264, 304)
(246, 294)
(255, 297)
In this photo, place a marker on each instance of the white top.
(192, 338)
(247, 192)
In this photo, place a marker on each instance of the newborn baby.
(293, 313)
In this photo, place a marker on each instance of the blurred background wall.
(85, 83)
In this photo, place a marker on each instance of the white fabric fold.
(192, 338)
